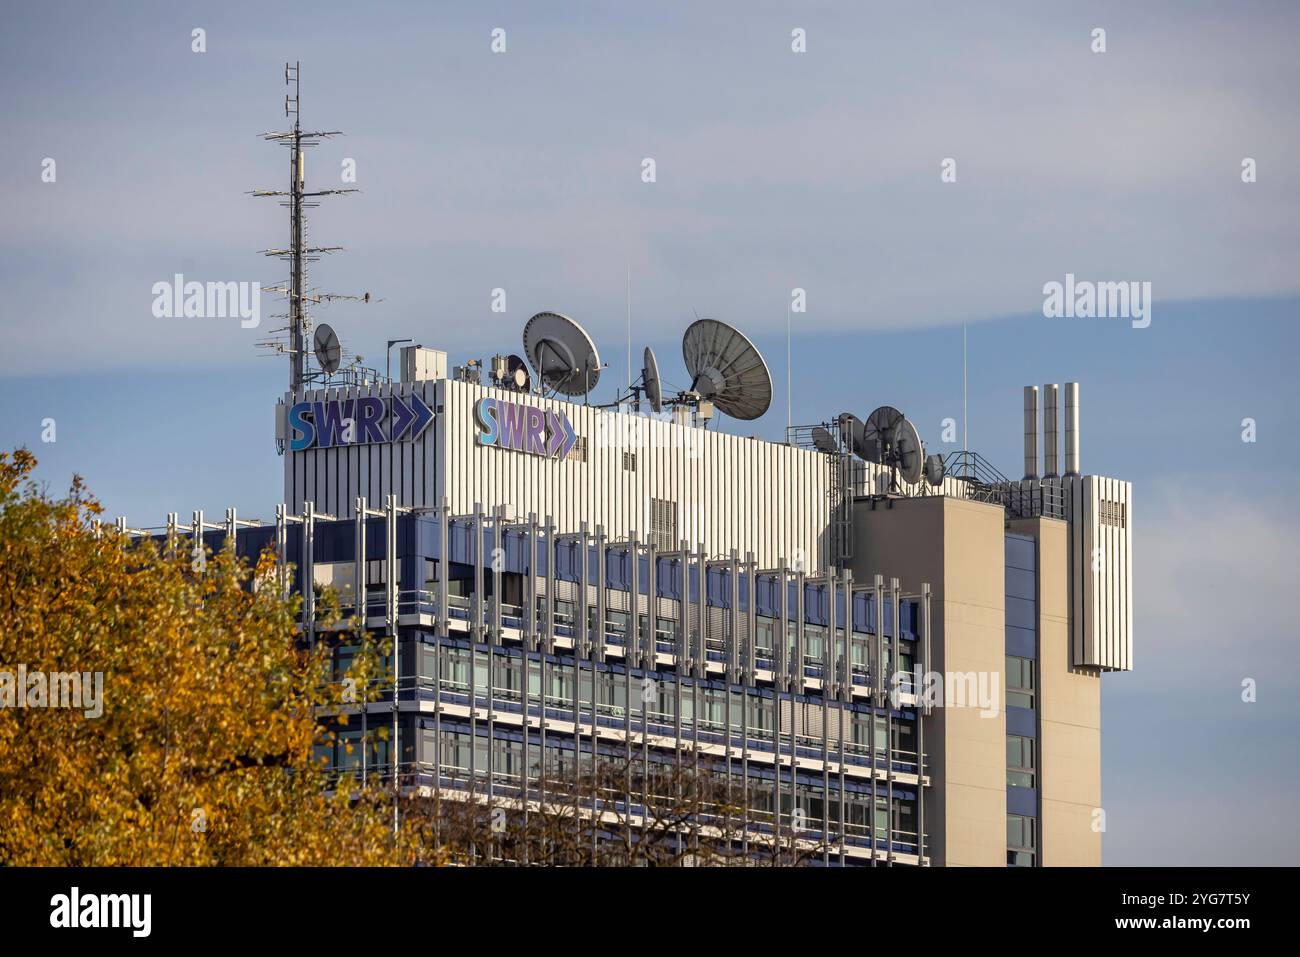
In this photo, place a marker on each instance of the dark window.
(1022, 842)
(1020, 761)
(1020, 682)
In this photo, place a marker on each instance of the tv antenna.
(298, 254)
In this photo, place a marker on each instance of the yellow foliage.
(203, 752)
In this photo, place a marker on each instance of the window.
(663, 525)
(1020, 682)
(579, 451)
(617, 622)
(814, 637)
(629, 461)
(765, 636)
(1021, 841)
(1020, 761)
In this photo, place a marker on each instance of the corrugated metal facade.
(729, 491)
(333, 478)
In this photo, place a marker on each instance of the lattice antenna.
(298, 253)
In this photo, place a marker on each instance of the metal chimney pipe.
(1071, 428)
(1051, 426)
(1031, 431)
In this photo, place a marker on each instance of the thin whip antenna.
(965, 438)
(629, 326)
(789, 375)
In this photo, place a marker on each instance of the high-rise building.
(884, 662)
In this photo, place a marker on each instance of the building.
(896, 671)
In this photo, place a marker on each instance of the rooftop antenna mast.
(298, 254)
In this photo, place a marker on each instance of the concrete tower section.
(957, 546)
(1068, 711)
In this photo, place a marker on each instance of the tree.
(203, 751)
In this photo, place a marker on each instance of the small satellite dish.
(563, 354)
(654, 392)
(908, 452)
(517, 376)
(328, 351)
(878, 434)
(934, 470)
(823, 440)
(727, 369)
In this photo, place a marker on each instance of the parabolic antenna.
(853, 433)
(823, 440)
(909, 452)
(727, 369)
(934, 469)
(654, 391)
(878, 434)
(328, 351)
(517, 376)
(563, 354)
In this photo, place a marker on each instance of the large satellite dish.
(654, 392)
(726, 369)
(328, 351)
(909, 452)
(878, 434)
(563, 354)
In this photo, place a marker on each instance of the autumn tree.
(203, 751)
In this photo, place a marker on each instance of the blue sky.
(775, 170)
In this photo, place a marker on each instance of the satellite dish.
(328, 351)
(654, 392)
(934, 470)
(878, 434)
(823, 440)
(908, 453)
(517, 376)
(563, 354)
(854, 435)
(727, 369)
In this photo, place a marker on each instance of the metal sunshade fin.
(564, 356)
(329, 352)
(727, 369)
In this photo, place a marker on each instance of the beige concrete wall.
(1069, 712)
(958, 547)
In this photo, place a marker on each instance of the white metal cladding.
(1101, 532)
(730, 491)
(333, 478)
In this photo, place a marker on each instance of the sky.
(774, 171)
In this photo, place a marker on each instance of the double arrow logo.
(524, 428)
(358, 421)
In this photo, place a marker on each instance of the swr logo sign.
(361, 421)
(524, 428)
